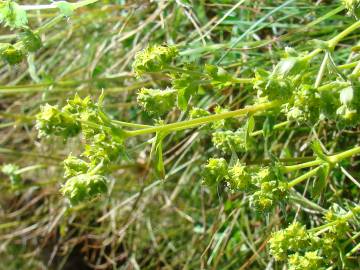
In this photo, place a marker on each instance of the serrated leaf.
(65, 8)
(320, 182)
(12, 14)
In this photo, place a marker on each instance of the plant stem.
(303, 177)
(343, 155)
(277, 126)
(296, 167)
(321, 70)
(204, 120)
(335, 40)
(325, 227)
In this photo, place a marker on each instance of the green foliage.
(309, 261)
(304, 106)
(271, 189)
(11, 54)
(215, 171)
(12, 15)
(65, 8)
(83, 187)
(228, 141)
(52, 121)
(353, 6)
(155, 101)
(239, 177)
(11, 170)
(153, 59)
(30, 40)
(290, 240)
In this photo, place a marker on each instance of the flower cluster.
(304, 106)
(11, 54)
(230, 141)
(105, 144)
(83, 187)
(306, 250)
(271, 189)
(153, 59)
(53, 121)
(14, 54)
(264, 184)
(155, 101)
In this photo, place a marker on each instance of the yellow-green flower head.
(155, 101)
(153, 59)
(228, 141)
(11, 54)
(290, 240)
(215, 171)
(84, 187)
(272, 189)
(75, 166)
(239, 178)
(51, 120)
(310, 261)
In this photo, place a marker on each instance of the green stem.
(325, 227)
(243, 80)
(204, 120)
(127, 124)
(303, 177)
(277, 126)
(181, 70)
(343, 155)
(30, 168)
(296, 167)
(321, 70)
(334, 41)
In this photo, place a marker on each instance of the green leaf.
(157, 151)
(268, 126)
(320, 182)
(250, 125)
(12, 14)
(65, 8)
(316, 147)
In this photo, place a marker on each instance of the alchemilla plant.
(305, 90)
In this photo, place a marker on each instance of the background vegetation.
(146, 222)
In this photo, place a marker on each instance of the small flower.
(11, 54)
(215, 171)
(239, 178)
(74, 166)
(84, 187)
(288, 241)
(271, 189)
(228, 141)
(153, 59)
(155, 101)
(51, 120)
(309, 261)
